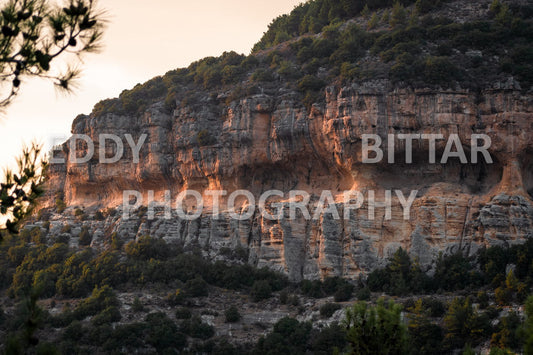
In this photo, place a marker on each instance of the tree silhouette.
(34, 33)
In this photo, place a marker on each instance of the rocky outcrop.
(271, 141)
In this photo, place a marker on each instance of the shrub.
(100, 299)
(232, 315)
(379, 327)
(146, 248)
(197, 287)
(363, 294)
(434, 306)
(312, 288)
(183, 313)
(116, 243)
(62, 239)
(99, 216)
(327, 309)
(261, 290)
(293, 300)
(398, 16)
(37, 236)
(425, 6)
(176, 297)
(74, 331)
(344, 293)
(163, 333)
(137, 305)
(463, 325)
(262, 75)
(197, 329)
(78, 212)
(330, 340)
(66, 228)
(60, 205)
(425, 337)
(455, 272)
(107, 316)
(85, 238)
(288, 337)
(310, 83)
(374, 21)
(439, 70)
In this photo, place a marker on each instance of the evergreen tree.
(375, 330)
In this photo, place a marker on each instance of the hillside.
(291, 116)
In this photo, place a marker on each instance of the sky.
(143, 39)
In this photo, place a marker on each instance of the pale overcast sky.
(143, 39)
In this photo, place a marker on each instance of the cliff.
(275, 138)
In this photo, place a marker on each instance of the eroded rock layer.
(271, 141)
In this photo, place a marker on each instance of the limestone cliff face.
(271, 141)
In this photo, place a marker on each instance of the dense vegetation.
(465, 302)
(31, 270)
(313, 46)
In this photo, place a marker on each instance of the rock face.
(270, 141)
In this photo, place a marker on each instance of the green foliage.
(74, 331)
(400, 276)
(196, 287)
(78, 212)
(195, 328)
(37, 32)
(183, 313)
(163, 333)
(262, 75)
(146, 248)
(107, 316)
(463, 324)
(375, 330)
(456, 271)
(425, 6)
(434, 307)
(26, 320)
(374, 21)
(176, 297)
(137, 305)
(19, 191)
(510, 290)
(310, 83)
(99, 216)
(288, 337)
(313, 16)
(100, 300)
(424, 336)
(439, 70)
(398, 15)
(85, 238)
(339, 287)
(385, 18)
(528, 326)
(261, 290)
(343, 293)
(327, 309)
(507, 334)
(364, 294)
(232, 315)
(60, 205)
